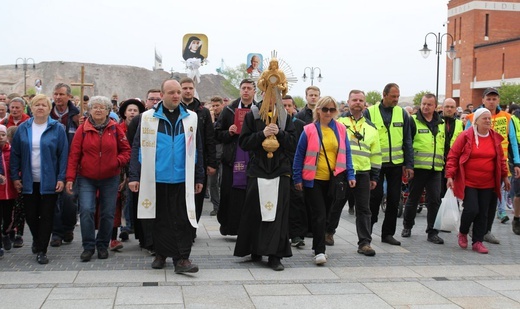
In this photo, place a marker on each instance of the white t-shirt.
(36, 162)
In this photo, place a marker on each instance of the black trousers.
(360, 194)
(476, 205)
(39, 215)
(393, 175)
(6, 216)
(431, 181)
(298, 220)
(320, 203)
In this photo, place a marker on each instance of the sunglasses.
(328, 109)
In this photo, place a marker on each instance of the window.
(486, 30)
(456, 70)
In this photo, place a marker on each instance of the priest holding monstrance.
(269, 135)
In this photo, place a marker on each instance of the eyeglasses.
(328, 109)
(98, 108)
(154, 99)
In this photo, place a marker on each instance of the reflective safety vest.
(390, 139)
(459, 127)
(428, 149)
(516, 123)
(313, 149)
(500, 124)
(366, 153)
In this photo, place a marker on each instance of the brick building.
(487, 41)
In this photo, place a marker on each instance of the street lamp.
(311, 71)
(425, 52)
(24, 62)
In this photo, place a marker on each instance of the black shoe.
(351, 211)
(185, 266)
(34, 248)
(69, 236)
(297, 242)
(123, 235)
(435, 239)
(18, 242)
(158, 262)
(56, 242)
(256, 257)
(275, 264)
(406, 232)
(389, 239)
(86, 255)
(102, 253)
(41, 258)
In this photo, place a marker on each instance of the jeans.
(107, 206)
(65, 213)
(127, 210)
(431, 181)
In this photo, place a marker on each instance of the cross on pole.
(82, 84)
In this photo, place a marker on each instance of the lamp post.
(24, 62)
(311, 71)
(425, 52)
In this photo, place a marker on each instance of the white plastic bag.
(448, 217)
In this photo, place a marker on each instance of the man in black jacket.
(207, 133)
(312, 95)
(233, 185)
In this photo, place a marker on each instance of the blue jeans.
(107, 206)
(127, 210)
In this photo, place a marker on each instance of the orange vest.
(500, 124)
(313, 149)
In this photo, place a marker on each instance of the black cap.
(86, 98)
(489, 91)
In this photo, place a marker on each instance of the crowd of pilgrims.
(61, 158)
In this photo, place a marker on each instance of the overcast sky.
(357, 44)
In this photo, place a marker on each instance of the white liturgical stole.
(268, 193)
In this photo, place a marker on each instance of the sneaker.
(351, 211)
(406, 233)
(366, 250)
(158, 262)
(6, 242)
(509, 203)
(69, 236)
(86, 255)
(41, 258)
(329, 239)
(123, 235)
(480, 248)
(504, 219)
(516, 226)
(102, 253)
(297, 242)
(185, 266)
(463, 240)
(320, 259)
(213, 213)
(115, 245)
(275, 263)
(435, 239)
(490, 238)
(18, 242)
(56, 242)
(1, 253)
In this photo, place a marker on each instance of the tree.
(509, 93)
(233, 78)
(418, 97)
(299, 102)
(373, 97)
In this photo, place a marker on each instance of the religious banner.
(195, 53)
(256, 65)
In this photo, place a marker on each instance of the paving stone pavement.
(417, 274)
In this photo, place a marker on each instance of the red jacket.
(9, 121)
(98, 157)
(459, 155)
(7, 190)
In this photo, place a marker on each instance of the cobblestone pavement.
(417, 274)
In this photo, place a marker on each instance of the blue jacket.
(170, 153)
(301, 151)
(54, 149)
